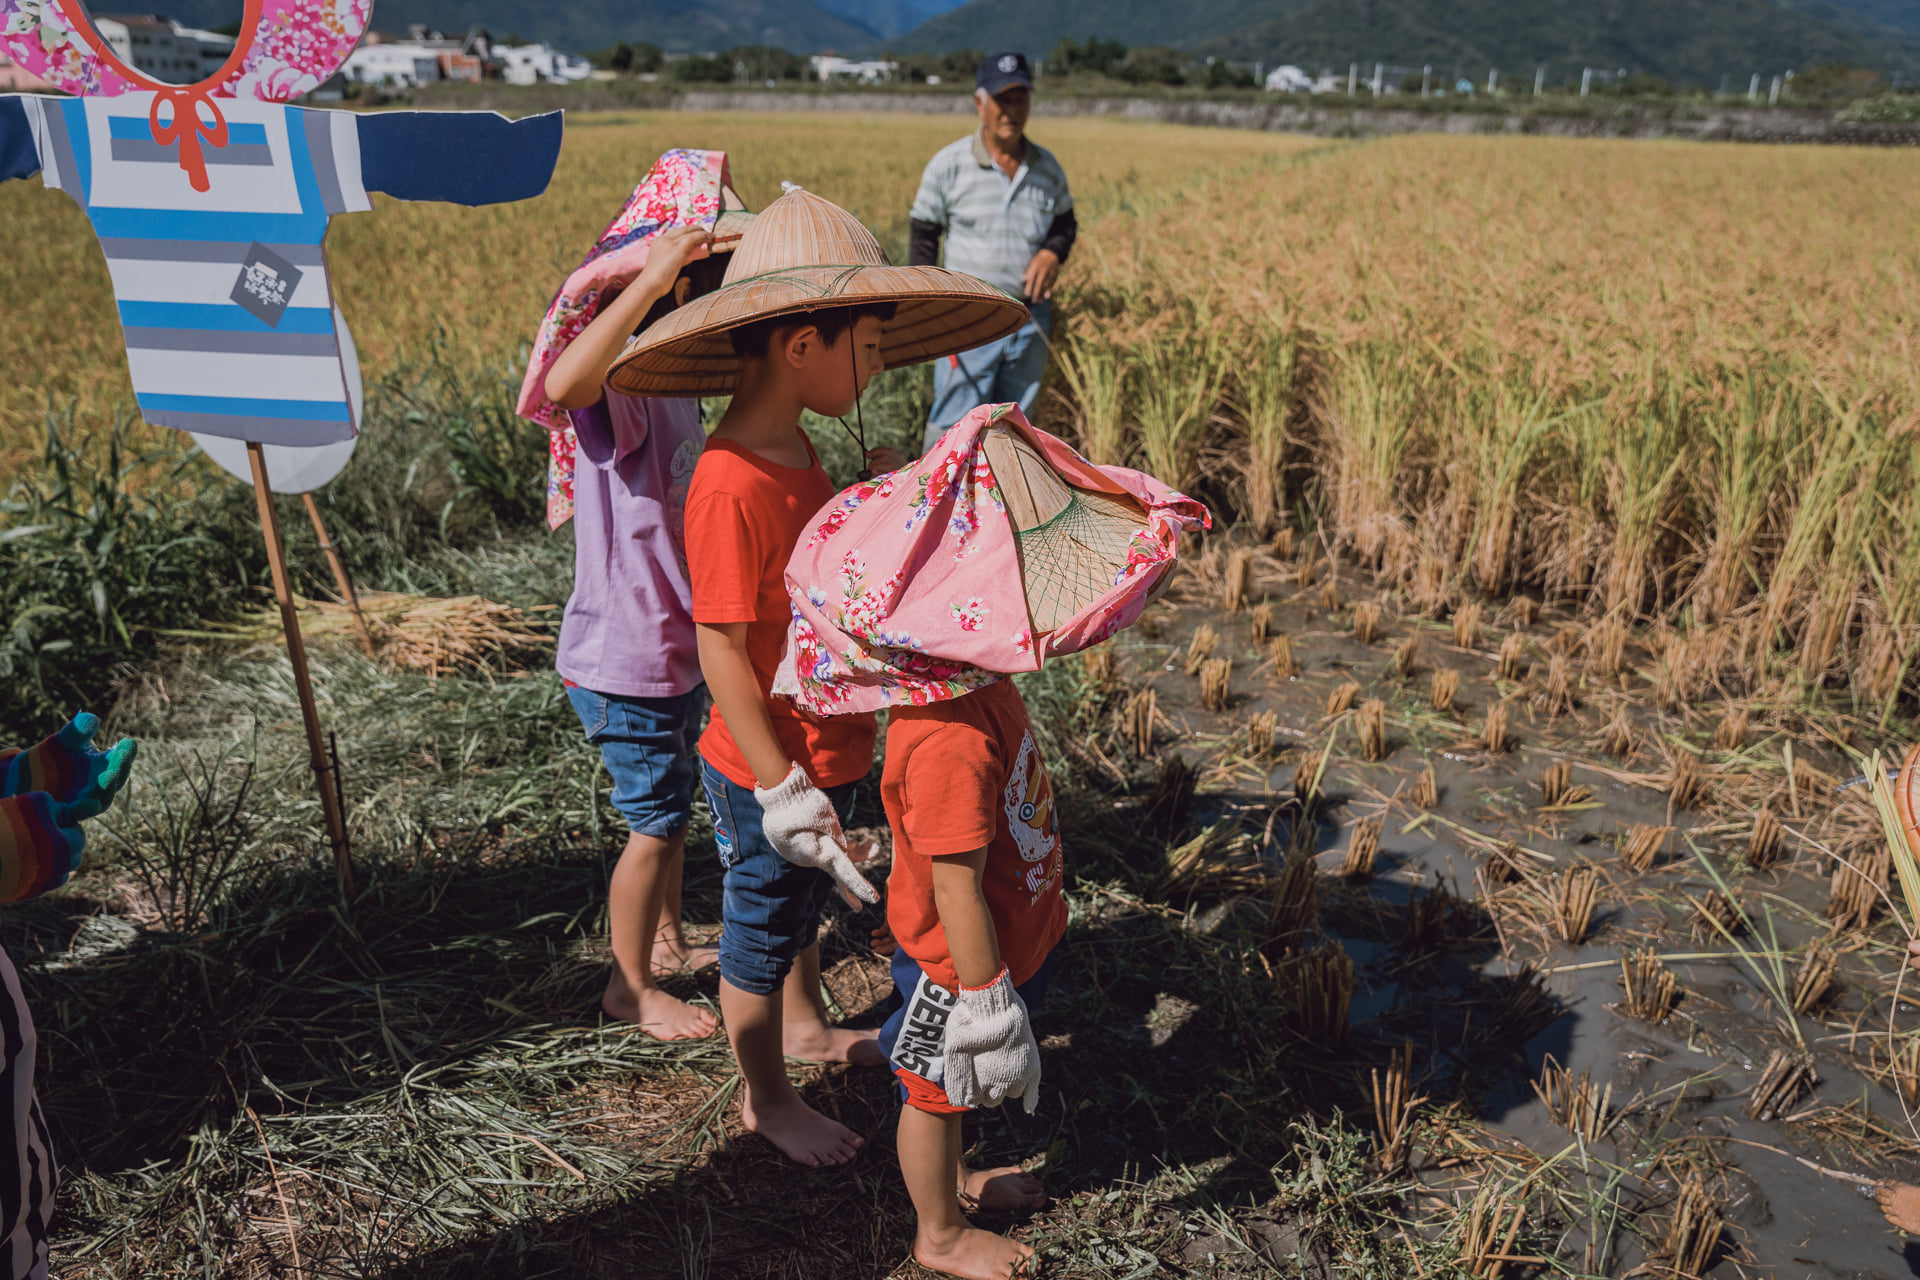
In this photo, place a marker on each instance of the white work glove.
(990, 1051)
(799, 822)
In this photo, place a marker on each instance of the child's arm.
(576, 378)
(795, 816)
(991, 1054)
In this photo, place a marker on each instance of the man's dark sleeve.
(1061, 234)
(923, 243)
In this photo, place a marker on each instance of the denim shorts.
(647, 745)
(770, 909)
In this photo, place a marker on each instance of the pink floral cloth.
(681, 189)
(294, 46)
(908, 590)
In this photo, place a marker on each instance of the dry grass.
(1651, 990)
(1494, 735)
(1319, 985)
(1366, 622)
(1686, 784)
(1859, 881)
(413, 633)
(1295, 904)
(1765, 841)
(1393, 1108)
(1466, 625)
(1575, 891)
(1261, 731)
(1362, 848)
(1714, 917)
(1693, 1232)
(1216, 682)
(1406, 657)
(1617, 738)
(1372, 726)
(1280, 650)
(1787, 1076)
(1233, 588)
(1813, 980)
(1443, 689)
(1260, 621)
(1558, 790)
(1731, 733)
(1141, 717)
(1098, 666)
(1641, 848)
(1200, 647)
(1171, 798)
(1426, 789)
(1574, 1103)
(1340, 701)
(1512, 650)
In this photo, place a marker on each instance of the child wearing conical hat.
(921, 592)
(809, 312)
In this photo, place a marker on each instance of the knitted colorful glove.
(991, 1055)
(67, 768)
(40, 843)
(799, 822)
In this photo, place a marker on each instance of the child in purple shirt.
(627, 649)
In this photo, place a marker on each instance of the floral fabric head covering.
(682, 188)
(910, 591)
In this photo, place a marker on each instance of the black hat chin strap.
(859, 436)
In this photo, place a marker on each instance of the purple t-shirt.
(628, 628)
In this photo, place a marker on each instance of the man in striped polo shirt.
(1002, 202)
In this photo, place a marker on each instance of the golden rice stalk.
(1307, 568)
(1466, 625)
(1393, 1107)
(1899, 849)
(1233, 591)
(1260, 621)
(1714, 917)
(1261, 731)
(1281, 650)
(1097, 665)
(1813, 980)
(1295, 904)
(1281, 548)
(1426, 789)
(1486, 1243)
(1444, 688)
(1905, 1071)
(1606, 645)
(1574, 892)
(1786, 1077)
(1329, 595)
(1200, 647)
(1811, 781)
(1686, 784)
(1372, 722)
(1142, 716)
(1573, 1102)
(1406, 657)
(1526, 610)
(1222, 857)
(1617, 738)
(1651, 988)
(1216, 680)
(1340, 701)
(1731, 733)
(1429, 590)
(1643, 844)
(1320, 984)
(1765, 841)
(1859, 882)
(1095, 370)
(1366, 621)
(1494, 736)
(1693, 1233)
(1555, 783)
(1512, 650)
(415, 633)
(1306, 781)
(1505, 865)
(1556, 697)
(1362, 849)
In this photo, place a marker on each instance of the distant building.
(402, 65)
(533, 63)
(153, 44)
(214, 48)
(1330, 82)
(831, 66)
(15, 76)
(1289, 79)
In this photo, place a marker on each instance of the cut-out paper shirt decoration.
(211, 202)
(1000, 548)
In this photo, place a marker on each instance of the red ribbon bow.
(187, 128)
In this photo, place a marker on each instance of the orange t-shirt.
(961, 775)
(744, 517)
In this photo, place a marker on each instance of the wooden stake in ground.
(317, 751)
(342, 580)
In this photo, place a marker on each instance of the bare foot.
(803, 1135)
(1002, 1189)
(974, 1255)
(1900, 1201)
(677, 957)
(819, 1043)
(657, 1013)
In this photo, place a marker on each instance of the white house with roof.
(152, 44)
(831, 66)
(1289, 79)
(532, 63)
(401, 65)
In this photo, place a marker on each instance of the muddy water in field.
(1680, 1089)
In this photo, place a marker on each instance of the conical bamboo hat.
(801, 254)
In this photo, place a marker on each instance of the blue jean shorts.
(770, 909)
(1009, 369)
(647, 746)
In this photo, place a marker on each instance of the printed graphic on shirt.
(922, 1046)
(266, 284)
(1031, 819)
(680, 467)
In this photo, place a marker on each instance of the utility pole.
(1378, 72)
(1493, 80)
(1586, 80)
(1426, 74)
(1539, 79)
(1353, 78)
(1773, 94)
(1753, 89)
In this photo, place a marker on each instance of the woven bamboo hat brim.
(800, 254)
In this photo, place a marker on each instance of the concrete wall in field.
(1706, 123)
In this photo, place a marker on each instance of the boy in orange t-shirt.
(800, 324)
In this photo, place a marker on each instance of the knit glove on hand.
(799, 822)
(991, 1055)
(40, 843)
(67, 768)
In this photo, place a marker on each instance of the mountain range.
(1701, 42)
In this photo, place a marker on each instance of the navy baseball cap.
(1003, 70)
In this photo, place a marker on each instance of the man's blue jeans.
(1009, 369)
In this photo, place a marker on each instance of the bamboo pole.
(342, 580)
(319, 756)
